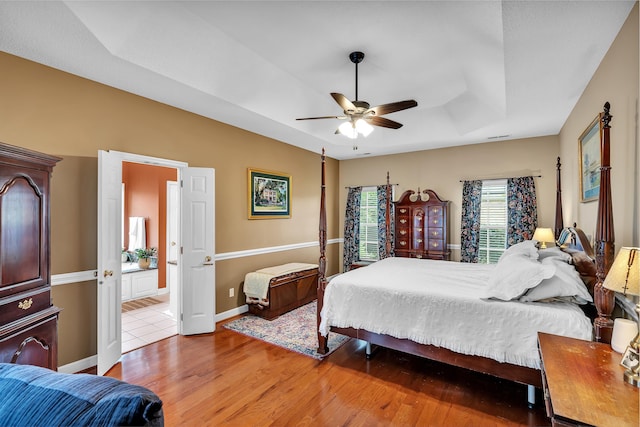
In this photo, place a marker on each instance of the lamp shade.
(544, 236)
(363, 127)
(624, 274)
(352, 129)
(348, 129)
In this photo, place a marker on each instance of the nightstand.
(582, 384)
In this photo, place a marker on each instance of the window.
(493, 221)
(368, 249)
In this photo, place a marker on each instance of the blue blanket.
(34, 396)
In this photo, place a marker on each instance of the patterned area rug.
(139, 303)
(295, 330)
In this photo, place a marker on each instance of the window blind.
(493, 221)
(368, 248)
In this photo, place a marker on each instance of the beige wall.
(616, 81)
(442, 170)
(57, 113)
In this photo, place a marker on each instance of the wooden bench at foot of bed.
(286, 292)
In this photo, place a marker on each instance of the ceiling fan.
(360, 114)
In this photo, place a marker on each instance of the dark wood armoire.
(28, 320)
(421, 225)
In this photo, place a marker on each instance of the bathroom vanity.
(138, 283)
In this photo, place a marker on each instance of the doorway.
(196, 243)
(148, 301)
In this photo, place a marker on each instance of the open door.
(197, 266)
(109, 261)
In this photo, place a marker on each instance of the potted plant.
(144, 256)
(125, 255)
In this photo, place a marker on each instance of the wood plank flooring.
(226, 378)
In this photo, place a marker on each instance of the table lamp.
(544, 235)
(624, 277)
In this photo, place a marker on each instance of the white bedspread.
(439, 303)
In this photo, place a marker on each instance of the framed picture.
(589, 148)
(269, 194)
(630, 358)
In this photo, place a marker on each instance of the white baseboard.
(79, 365)
(230, 313)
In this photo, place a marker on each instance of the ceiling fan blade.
(385, 123)
(383, 109)
(344, 102)
(323, 117)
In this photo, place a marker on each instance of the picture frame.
(590, 161)
(269, 194)
(630, 358)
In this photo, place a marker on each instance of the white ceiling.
(479, 70)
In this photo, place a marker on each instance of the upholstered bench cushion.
(34, 396)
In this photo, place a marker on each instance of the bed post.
(558, 226)
(387, 218)
(323, 348)
(604, 247)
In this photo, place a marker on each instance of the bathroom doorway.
(149, 301)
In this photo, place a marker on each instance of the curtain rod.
(491, 179)
(376, 185)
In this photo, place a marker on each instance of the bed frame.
(604, 299)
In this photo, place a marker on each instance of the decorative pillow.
(585, 265)
(554, 252)
(515, 274)
(527, 248)
(565, 285)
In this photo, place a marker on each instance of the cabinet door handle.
(26, 304)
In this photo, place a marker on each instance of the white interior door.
(197, 267)
(173, 238)
(109, 260)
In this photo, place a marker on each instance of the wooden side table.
(583, 385)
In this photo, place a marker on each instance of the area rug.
(139, 303)
(295, 331)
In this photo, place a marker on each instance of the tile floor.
(147, 325)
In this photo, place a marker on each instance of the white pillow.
(554, 252)
(565, 284)
(527, 248)
(515, 274)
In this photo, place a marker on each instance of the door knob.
(108, 273)
(207, 260)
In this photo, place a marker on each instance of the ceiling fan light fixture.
(349, 130)
(363, 127)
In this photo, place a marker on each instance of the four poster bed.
(480, 317)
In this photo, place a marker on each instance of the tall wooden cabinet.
(28, 320)
(421, 225)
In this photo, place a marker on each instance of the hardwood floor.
(226, 378)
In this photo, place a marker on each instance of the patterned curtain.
(470, 224)
(522, 211)
(382, 226)
(352, 228)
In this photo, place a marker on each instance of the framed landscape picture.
(589, 148)
(269, 194)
